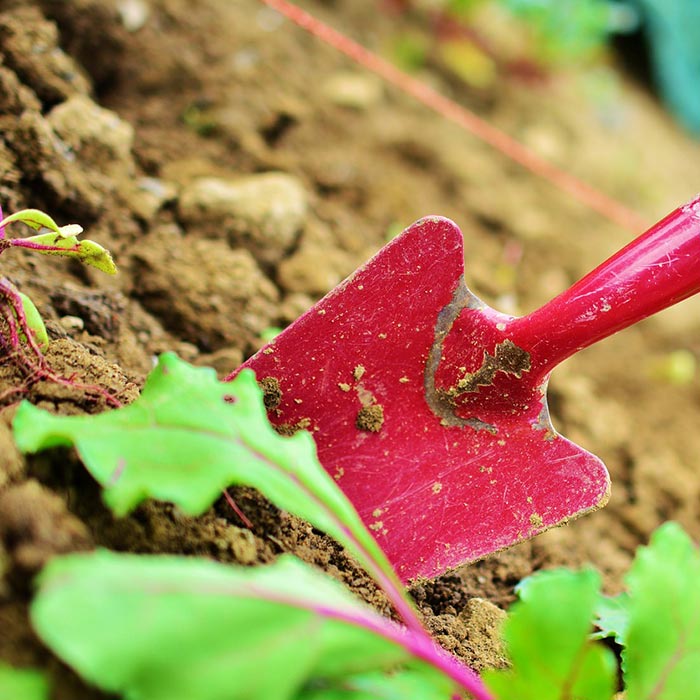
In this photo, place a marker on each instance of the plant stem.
(394, 589)
(236, 509)
(423, 647)
(24, 243)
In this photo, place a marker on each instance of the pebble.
(262, 212)
(98, 137)
(354, 90)
(72, 323)
(243, 545)
(134, 14)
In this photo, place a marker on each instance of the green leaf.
(270, 333)
(93, 254)
(662, 656)
(34, 322)
(612, 617)
(176, 628)
(183, 442)
(547, 637)
(34, 218)
(22, 684)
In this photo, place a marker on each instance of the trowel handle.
(656, 270)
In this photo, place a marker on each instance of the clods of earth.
(238, 169)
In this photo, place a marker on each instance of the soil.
(239, 169)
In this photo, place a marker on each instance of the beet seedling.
(654, 622)
(52, 240)
(56, 240)
(23, 334)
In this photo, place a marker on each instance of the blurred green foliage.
(564, 29)
(571, 31)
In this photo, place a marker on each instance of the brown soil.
(170, 136)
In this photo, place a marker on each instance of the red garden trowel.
(429, 407)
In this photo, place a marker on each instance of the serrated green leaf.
(34, 322)
(22, 684)
(662, 656)
(612, 617)
(547, 638)
(175, 628)
(182, 441)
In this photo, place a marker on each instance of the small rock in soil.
(71, 324)
(263, 213)
(99, 139)
(134, 14)
(354, 90)
(242, 544)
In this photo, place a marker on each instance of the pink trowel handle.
(656, 270)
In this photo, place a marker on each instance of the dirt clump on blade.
(370, 418)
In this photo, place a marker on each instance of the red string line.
(594, 199)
